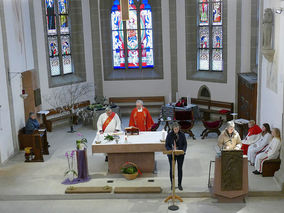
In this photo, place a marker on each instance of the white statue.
(267, 28)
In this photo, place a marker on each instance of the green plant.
(70, 159)
(109, 138)
(81, 141)
(129, 170)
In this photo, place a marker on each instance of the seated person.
(108, 122)
(254, 134)
(272, 151)
(261, 144)
(140, 117)
(32, 124)
(229, 139)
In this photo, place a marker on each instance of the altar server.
(254, 134)
(272, 151)
(261, 144)
(229, 139)
(108, 122)
(140, 117)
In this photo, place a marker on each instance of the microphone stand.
(173, 196)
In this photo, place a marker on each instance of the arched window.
(132, 40)
(210, 35)
(204, 93)
(58, 36)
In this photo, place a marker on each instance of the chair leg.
(191, 134)
(218, 132)
(203, 132)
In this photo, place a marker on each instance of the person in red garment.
(254, 134)
(140, 117)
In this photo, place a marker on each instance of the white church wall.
(20, 59)
(42, 59)
(219, 91)
(147, 87)
(271, 94)
(246, 36)
(6, 140)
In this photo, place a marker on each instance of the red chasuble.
(108, 120)
(141, 120)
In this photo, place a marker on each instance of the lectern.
(173, 196)
(231, 176)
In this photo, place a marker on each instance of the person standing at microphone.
(176, 141)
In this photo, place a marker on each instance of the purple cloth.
(75, 181)
(82, 166)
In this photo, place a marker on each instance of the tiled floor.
(192, 205)
(19, 178)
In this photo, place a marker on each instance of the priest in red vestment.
(140, 117)
(254, 134)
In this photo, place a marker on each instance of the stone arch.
(204, 92)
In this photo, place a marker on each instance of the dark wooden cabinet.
(247, 96)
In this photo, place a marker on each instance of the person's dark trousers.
(179, 159)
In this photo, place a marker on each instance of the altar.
(139, 149)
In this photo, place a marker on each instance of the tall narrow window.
(210, 35)
(132, 41)
(58, 36)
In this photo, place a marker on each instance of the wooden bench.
(209, 107)
(129, 102)
(61, 113)
(270, 167)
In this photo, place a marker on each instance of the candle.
(188, 100)
(170, 97)
(177, 97)
(164, 135)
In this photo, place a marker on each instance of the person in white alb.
(261, 144)
(108, 122)
(272, 151)
(254, 134)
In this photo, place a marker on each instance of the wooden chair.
(38, 142)
(32, 140)
(185, 120)
(155, 126)
(270, 167)
(211, 126)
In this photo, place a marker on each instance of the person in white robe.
(272, 151)
(261, 144)
(254, 134)
(108, 122)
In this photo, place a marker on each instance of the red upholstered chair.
(185, 120)
(211, 126)
(155, 126)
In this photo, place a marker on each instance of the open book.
(132, 130)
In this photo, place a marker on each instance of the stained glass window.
(58, 36)
(210, 36)
(132, 41)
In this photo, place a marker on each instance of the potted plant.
(70, 172)
(130, 170)
(81, 144)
